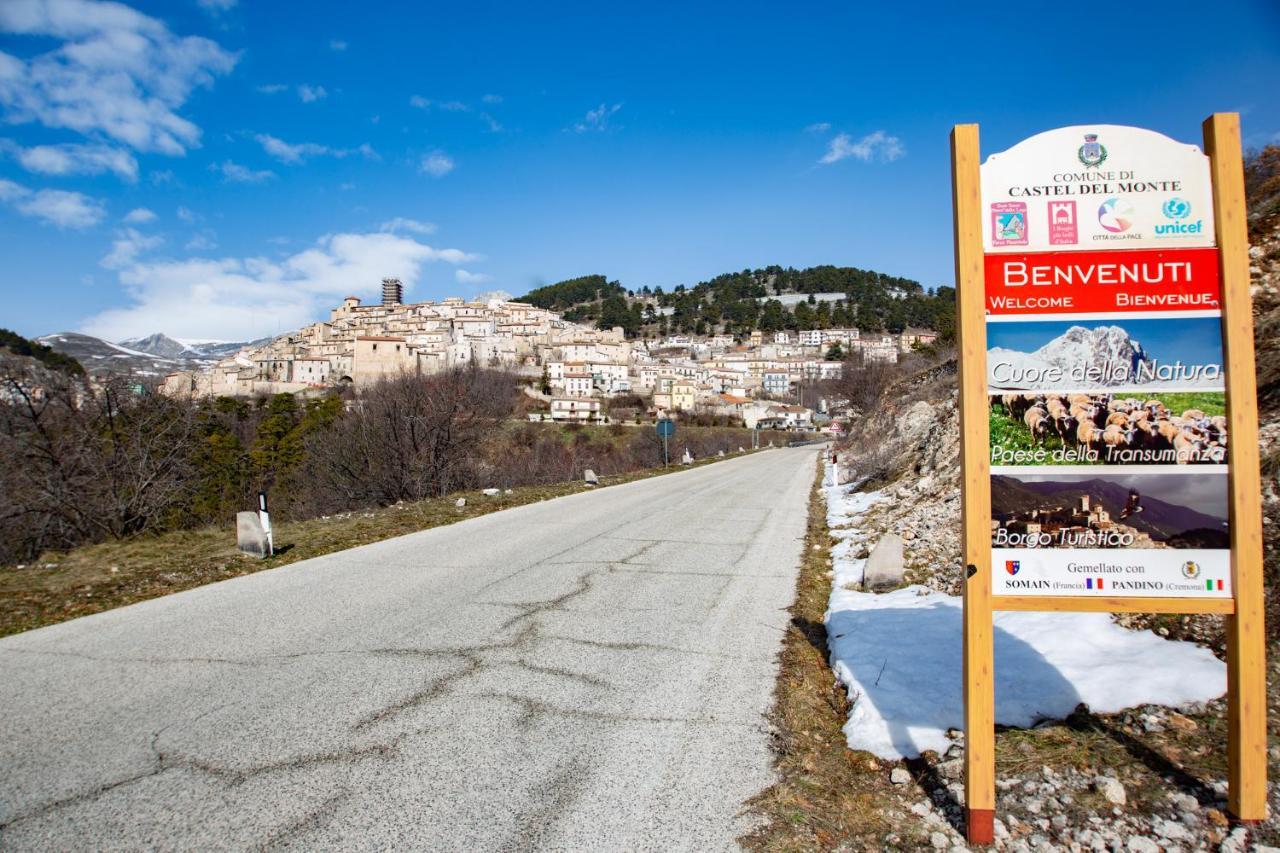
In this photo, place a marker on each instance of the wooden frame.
(1077, 604)
(975, 474)
(1246, 645)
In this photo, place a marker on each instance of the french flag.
(1093, 583)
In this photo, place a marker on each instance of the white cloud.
(186, 214)
(245, 298)
(287, 153)
(597, 119)
(874, 146)
(338, 44)
(818, 127)
(492, 99)
(237, 174)
(492, 123)
(448, 106)
(205, 241)
(140, 216)
(128, 245)
(309, 93)
(464, 277)
(415, 226)
(74, 159)
(9, 191)
(272, 88)
(217, 6)
(436, 164)
(53, 207)
(117, 72)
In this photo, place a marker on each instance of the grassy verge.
(827, 795)
(65, 585)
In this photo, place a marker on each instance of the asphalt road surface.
(589, 672)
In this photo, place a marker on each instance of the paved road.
(589, 672)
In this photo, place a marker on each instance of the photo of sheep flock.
(1180, 428)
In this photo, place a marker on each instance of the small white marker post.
(265, 518)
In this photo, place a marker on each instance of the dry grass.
(62, 586)
(827, 796)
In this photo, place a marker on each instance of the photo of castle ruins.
(1109, 511)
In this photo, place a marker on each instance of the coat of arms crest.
(1093, 153)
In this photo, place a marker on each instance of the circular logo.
(1191, 570)
(1115, 215)
(1177, 208)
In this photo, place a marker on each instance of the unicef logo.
(1177, 208)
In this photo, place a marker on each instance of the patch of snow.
(843, 508)
(899, 656)
(135, 352)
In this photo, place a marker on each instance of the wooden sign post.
(1103, 304)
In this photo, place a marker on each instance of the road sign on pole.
(666, 429)
(1071, 247)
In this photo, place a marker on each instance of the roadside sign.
(1096, 187)
(1108, 404)
(666, 429)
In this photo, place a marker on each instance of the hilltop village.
(576, 367)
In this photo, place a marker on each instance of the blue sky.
(274, 161)
(1193, 340)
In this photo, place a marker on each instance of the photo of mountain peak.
(1181, 353)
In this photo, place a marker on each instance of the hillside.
(50, 358)
(769, 299)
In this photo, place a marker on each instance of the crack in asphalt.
(533, 710)
(534, 823)
(312, 820)
(162, 762)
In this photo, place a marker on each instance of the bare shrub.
(406, 439)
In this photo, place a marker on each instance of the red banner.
(1103, 282)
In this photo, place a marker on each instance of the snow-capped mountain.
(1108, 354)
(1104, 345)
(157, 344)
(163, 346)
(153, 356)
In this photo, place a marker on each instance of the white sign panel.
(1096, 187)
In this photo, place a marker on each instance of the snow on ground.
(899, 656)
(843, 511)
